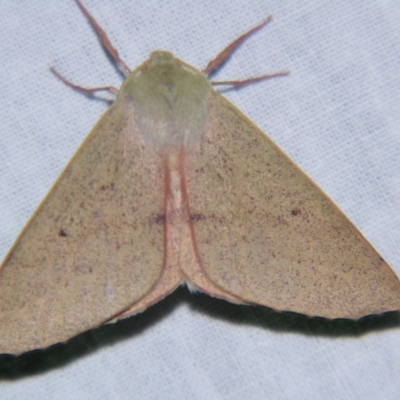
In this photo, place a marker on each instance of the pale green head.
(169, 99)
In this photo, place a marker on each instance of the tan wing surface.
(94, 247)
(270, 236)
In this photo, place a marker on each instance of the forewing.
(94, 247)
(270, 236)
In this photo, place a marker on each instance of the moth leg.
(87, 91)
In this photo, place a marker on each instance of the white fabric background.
(337, 116)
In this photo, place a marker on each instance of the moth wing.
(268, 235)
(94, 247)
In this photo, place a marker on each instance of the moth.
(175, 185)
